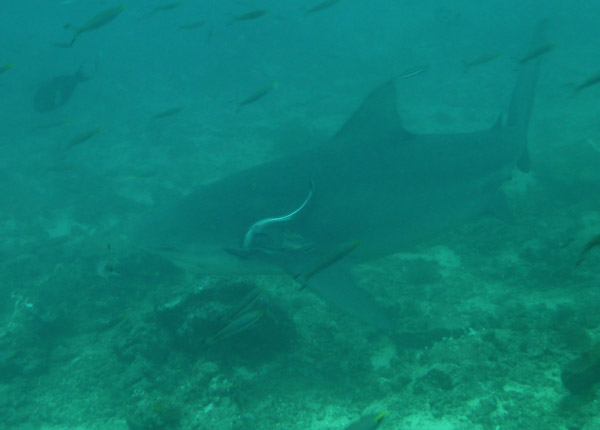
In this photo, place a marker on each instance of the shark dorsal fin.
(376, 119)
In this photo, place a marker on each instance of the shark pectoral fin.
(337, 287)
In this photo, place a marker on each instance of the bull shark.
(373, 183)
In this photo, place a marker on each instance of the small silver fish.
(49, 125)
(84, 137)
(161, 8)
(409, 73)
(99, 20)
(169, 112)
(536, 52)
(105, 268)
(257, 95)
(167, 6)
(478, 61)
(325, 4)
(249, 16)
(6, 67)
(592, 80)
(192, 25)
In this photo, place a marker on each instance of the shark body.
(374, 182)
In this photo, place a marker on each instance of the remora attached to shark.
(373, 181)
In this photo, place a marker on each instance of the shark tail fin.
(521, 102)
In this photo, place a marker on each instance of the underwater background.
(110, 111)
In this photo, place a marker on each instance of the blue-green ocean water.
(495, 323)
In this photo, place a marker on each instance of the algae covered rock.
(191, 320)
(435, 379)
(155, 414)
(581, 376)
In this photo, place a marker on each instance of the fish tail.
(301, 279)
(521, 102)
(79, 74)
(466, 66)
(380, 416)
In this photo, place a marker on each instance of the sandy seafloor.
(488, 315)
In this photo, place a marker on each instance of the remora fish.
(373, 180)
(99, 20)
(55, 92)
(258, 226)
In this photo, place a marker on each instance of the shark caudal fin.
(521, 102)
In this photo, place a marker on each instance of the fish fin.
(380, 416)
(337, 287)
(241, 252)
(523, 95)
(499, 122)
(80, 74)
(301, 279)
(524, 162)
(499, 209)
(376, 120)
